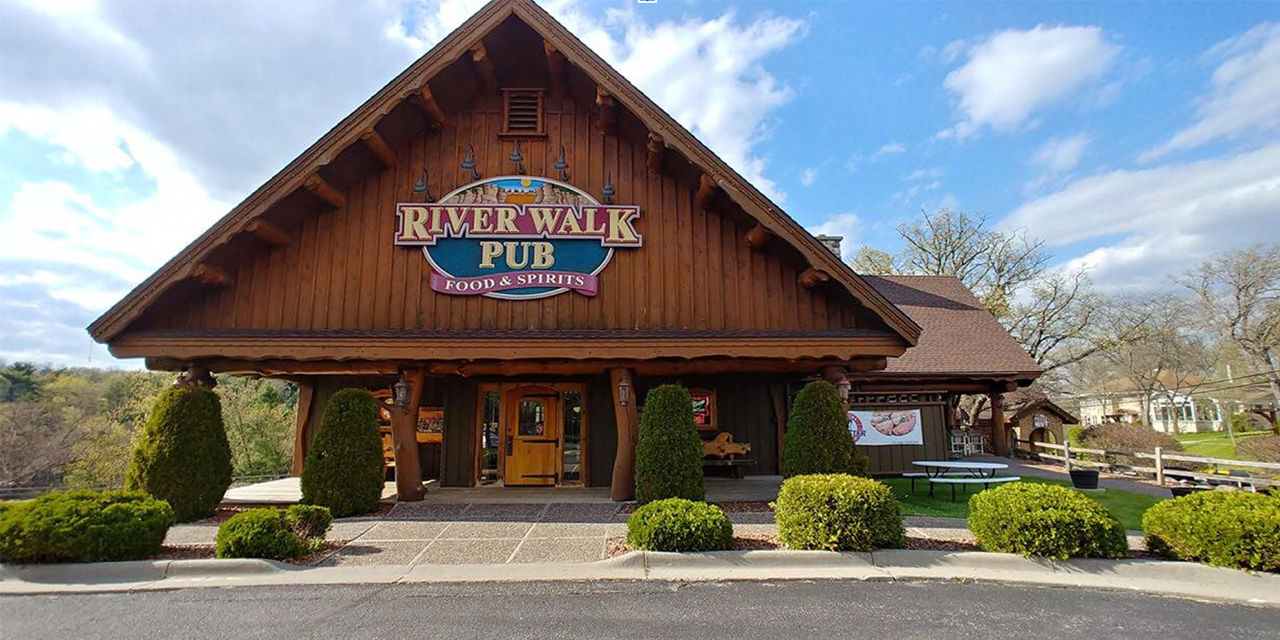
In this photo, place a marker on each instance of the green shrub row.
(1224, 528)
(1045, 520)
(837, 512)
(676, 524)
(84, 526)
(274, 534)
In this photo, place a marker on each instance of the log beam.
(705, 198)
(404, 436)
(758, 237)
(999, 430)
(305, 392)
(607, 124)
(321, 188)
(211, 275)
(269, 233)
(426, 103)
(556, 69)
(657, 153)
(811, 277)
(626, 417)
(484, 67)
(379, 148)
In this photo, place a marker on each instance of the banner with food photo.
(886, 427)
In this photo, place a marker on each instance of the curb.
(1157, 577)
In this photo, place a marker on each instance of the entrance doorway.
(531, 434)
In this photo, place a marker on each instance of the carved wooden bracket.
(196, 376)
(484, 67)
(379, 147)
(608, 122)
(325, 191)
(269, 233)
(813, 277)
(211, 275)
(657, 153)
(427, 104)
(758, 236)
(707, 192)
(556, 69)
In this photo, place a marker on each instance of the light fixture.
(607, 191)
(624, 392)
(421, 186)
(400, 392)
(517, 159)
(562, 166)
(469, 163)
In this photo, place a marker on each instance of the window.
(572, 409)
(522, 112)
(489, 436)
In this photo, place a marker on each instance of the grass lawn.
(1126, 506)
(1215, 444)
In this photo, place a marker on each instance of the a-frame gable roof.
(187, 264)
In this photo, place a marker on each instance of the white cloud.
(893, 148)
(1013, 74)
(845, 225)
(1245, 96)
(808, 176)
(1055, 157)
(924, 174)
(1158, 222)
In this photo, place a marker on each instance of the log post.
(626, 415)
(484, 68)
(999, 431)
(1159, 466)
(705, 197)
(656, 151)
(840, 378)
(404, 437)
(607, 124)
(555, 69)
(305, 392)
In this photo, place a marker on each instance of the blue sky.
(1134, 138)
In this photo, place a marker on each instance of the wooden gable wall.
(341, 270)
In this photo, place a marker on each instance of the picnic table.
(959, 472)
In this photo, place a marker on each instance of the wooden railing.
(1068, 455)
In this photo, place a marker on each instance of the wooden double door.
(533, 438)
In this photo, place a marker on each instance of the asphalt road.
(739, 610)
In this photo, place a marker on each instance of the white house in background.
(1120, 400)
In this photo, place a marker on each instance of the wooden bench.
(965, 482)
(913, 475)
(737, 465)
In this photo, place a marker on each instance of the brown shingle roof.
(959, 336)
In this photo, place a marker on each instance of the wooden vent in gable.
(522, 112)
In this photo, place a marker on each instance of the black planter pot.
(1178, 492)
(1084, 478)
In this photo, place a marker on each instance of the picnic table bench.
(963, 474)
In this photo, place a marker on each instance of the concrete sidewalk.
(1176, 579)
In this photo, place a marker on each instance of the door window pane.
(533, 418)
(489, 436)
(572, 436)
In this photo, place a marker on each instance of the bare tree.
(1240, 295)
(875, 262)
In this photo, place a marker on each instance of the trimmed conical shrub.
(343, 470)
(818, 438)
(668, 451)
(183, 456)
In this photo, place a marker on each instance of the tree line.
(1217, 323)
(76, 427)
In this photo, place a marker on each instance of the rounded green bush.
(1225, 528)
(837, 512)
(274, 534)
(668, 449)
(344, 469)
(1045, 520)
(676, 524)
(818, 438)
(84, 526)
(182, 456)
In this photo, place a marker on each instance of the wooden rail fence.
(1068, 456)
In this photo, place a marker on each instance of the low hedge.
(275, 534)
(1045, 520)
(84, 526)
(837, 512)
(1224, 528)
(676, 524)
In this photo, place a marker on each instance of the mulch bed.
(224, 513)
(206, 552)
(753, 506)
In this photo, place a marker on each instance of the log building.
(513, 244)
